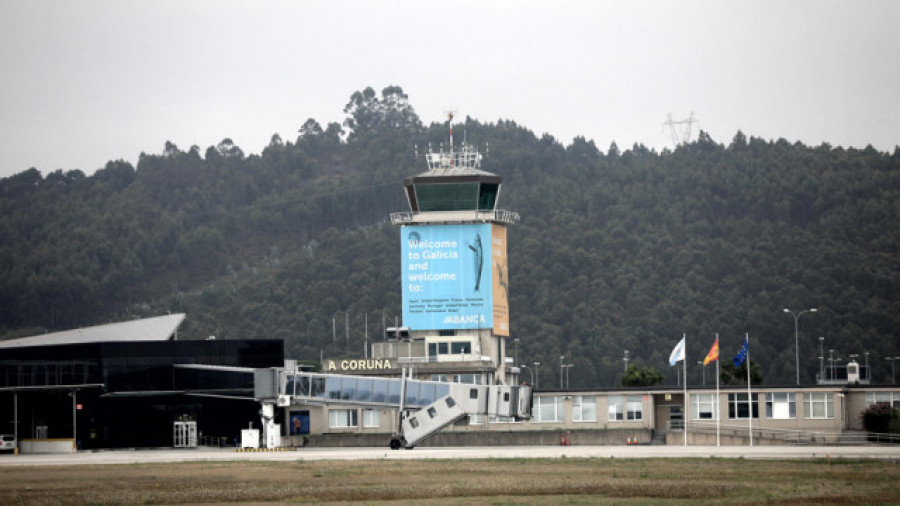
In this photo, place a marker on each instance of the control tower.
(454, 270)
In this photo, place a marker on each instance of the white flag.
(678, 353)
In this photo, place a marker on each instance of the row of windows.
(891, 398)
(448, 348)
(551, 408)
(779, 406)
(348, 418)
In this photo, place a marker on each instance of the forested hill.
(616, 249)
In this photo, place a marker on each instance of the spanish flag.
(713, 353)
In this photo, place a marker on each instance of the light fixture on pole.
(821, 358)
(892, 359)
(530, 371)
(626, 361)
(796, 336)
(537, 374)
(561, 367)
(567, 367)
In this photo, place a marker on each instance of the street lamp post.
(561, 367)
(516, 343)
(530, 371)
(821, 358)
(537, 374)
(831, 359)
(892, 359)
(796, 336)
(567, 367)
(868, 376)
(626, 361)
(700, 363)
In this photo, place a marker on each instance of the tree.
(641, 376)
(881, 418)
(731, 375)
(311, 127)
(227, 149)
(368, 114)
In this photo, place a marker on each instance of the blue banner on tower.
(446, 272)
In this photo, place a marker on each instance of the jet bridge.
(425, 407)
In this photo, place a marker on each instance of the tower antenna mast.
(450, 119)
(685, 136)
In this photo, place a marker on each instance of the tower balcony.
(436, 217)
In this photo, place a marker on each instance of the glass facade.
(447, 196)
(363, 389)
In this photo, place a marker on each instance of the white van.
(7, 442)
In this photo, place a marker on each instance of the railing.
(399, 350)
(465, 156)
(793, 436)
(498, 215)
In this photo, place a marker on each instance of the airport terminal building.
(125, 384)
(131, 384)
(135, 384)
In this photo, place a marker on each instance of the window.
(738, 407)
(584, 408)
(548, 408)
(625, 408)
(460, 348)
(780, 406)
(616, 408)
(704, 407)
(447, 196)
(472, 379)
(819, 405)
(371, 418)
(634, 407)
(342, 418)
(892, 398)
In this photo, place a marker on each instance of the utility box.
(250, 438)
(853, 372)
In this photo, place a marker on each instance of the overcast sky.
(85, 82)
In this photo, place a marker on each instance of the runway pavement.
(891, 453)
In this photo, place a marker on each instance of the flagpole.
(684, 366)
(718, 402)
(749, 399)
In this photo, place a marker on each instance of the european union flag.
(742, 354)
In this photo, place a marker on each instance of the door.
(299, 423)
(676, 417)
